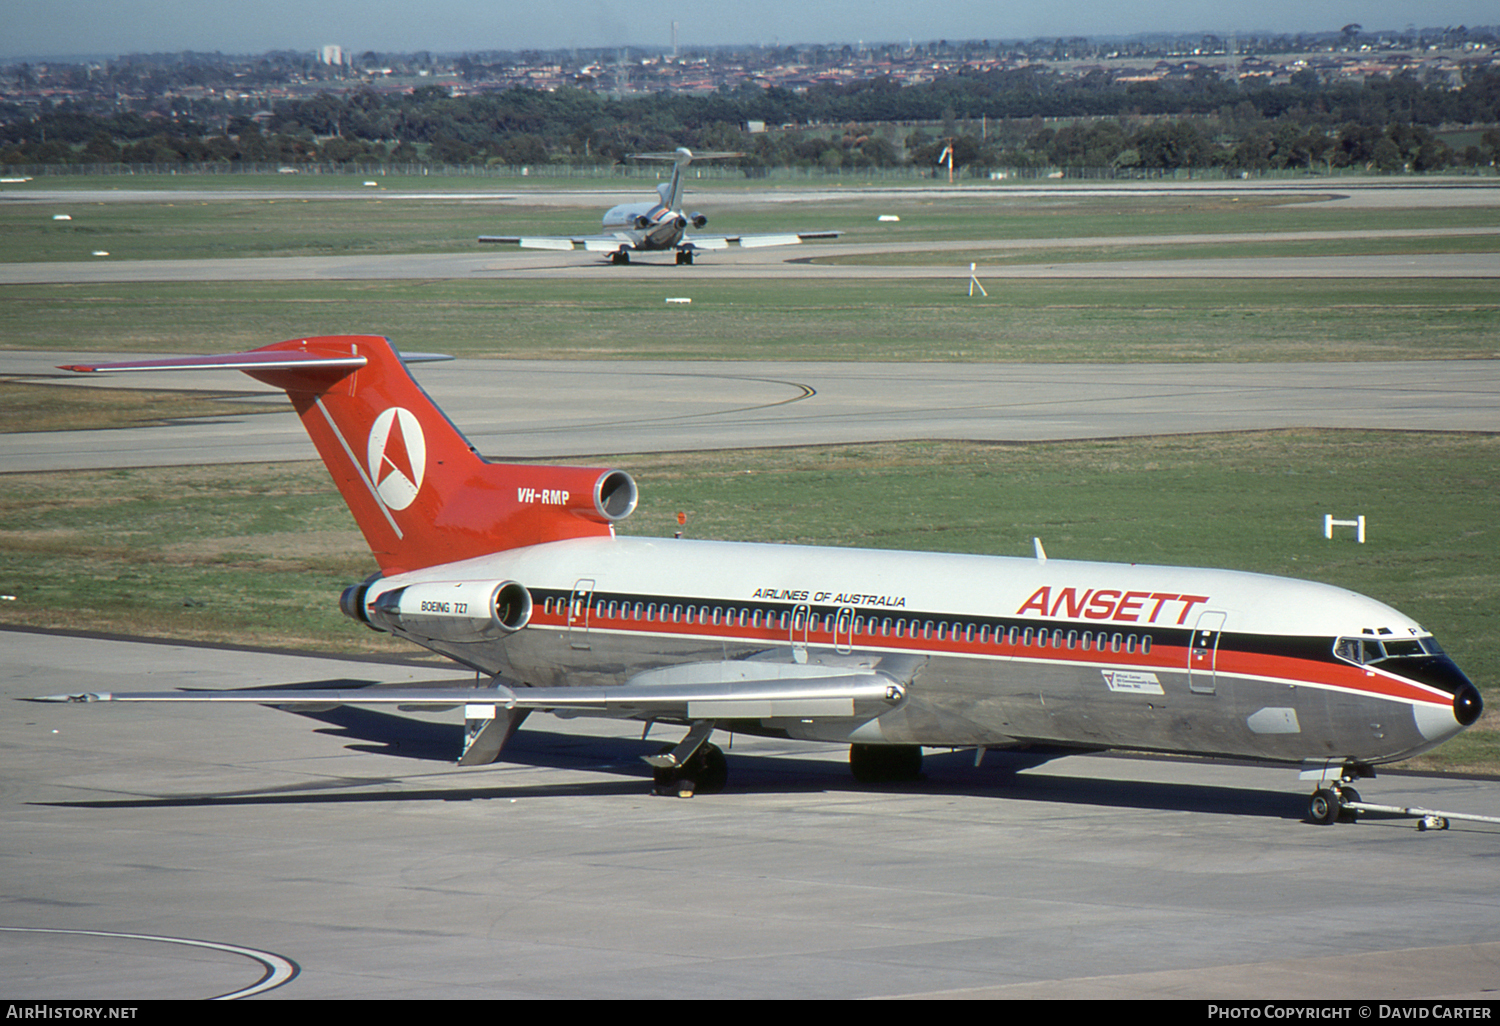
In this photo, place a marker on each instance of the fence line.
(700, 172)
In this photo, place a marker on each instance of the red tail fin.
(416, 487)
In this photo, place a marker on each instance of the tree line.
(1030, 117)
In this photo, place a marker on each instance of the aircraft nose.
(1467, 705)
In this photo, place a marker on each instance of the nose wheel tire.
(1328, 805)
(1323, 807)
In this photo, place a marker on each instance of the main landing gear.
(705, 772)
(684, 256)
(693, 766)
(620, 257)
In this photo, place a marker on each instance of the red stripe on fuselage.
(1364, 681)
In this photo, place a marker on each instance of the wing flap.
(565, 245)
(762, 241)
(787, 239)
(532, 241)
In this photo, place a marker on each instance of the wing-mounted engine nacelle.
(459, 611)
(698, 220)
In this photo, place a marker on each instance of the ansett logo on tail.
(397, 457)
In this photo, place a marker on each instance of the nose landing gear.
(1332, 805)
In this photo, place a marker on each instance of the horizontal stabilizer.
(255, 360)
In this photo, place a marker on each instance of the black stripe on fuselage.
(933, 632)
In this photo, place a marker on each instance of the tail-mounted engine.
(458, 611)
(699, 220)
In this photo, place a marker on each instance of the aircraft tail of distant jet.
(418, 490)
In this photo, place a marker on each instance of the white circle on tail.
(397, 457)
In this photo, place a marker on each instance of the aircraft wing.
(755, 241)
(592, 243)
(611, 243)
(823, 693)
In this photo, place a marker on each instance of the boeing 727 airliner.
(517, 572)
(657, 225)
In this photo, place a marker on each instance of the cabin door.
(843, 630)
(1203, 653)
(578, 614)
(801, 617)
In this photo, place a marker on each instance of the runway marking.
(278, 970)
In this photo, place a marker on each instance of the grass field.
(338, 218)
(922, 320)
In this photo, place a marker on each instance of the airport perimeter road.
(347, 844)
(549, 409)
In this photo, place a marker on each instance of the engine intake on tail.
(462, 611)
(699, 220)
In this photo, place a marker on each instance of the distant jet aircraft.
(656, 225)
(516, 572)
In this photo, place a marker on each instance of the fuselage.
(990, 651)
(649, 225)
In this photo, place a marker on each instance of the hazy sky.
(30, 28)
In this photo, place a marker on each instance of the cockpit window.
(1364, 651)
